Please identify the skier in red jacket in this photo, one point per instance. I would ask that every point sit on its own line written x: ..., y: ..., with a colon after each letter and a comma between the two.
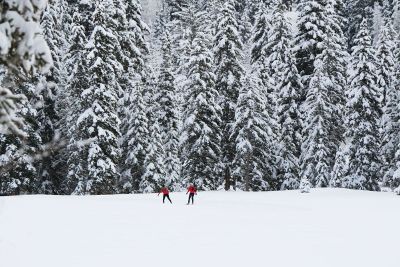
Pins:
x: 165, y: 193
x: 192, y: 191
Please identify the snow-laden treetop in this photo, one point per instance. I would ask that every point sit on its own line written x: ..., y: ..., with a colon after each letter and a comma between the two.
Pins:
x: 21, y: 40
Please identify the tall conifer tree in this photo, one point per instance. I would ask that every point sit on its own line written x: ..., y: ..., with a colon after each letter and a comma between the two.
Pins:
x: 391, y: 123
x: 229, y: 72
x: 288, y: 89
x: 201, y: 137
x: 362, y: 116
x: 98, y: 120
x: 254, y: 164
x: 166, y: 101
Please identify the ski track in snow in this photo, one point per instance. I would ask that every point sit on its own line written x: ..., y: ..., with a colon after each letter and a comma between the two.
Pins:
x: 328, y: 227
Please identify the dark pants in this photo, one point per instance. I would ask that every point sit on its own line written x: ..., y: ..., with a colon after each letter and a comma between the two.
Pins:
x: 164, y: 197
x: 191, y: 197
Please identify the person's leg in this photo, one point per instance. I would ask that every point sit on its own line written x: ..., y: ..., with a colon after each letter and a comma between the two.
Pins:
x: 192, y: 199
x: 189, y: 199
x: 191, y: 195
x: 163, y: 198
x: 169, y: 199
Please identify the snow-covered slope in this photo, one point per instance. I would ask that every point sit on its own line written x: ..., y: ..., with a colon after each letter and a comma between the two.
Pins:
x: 325, y: 228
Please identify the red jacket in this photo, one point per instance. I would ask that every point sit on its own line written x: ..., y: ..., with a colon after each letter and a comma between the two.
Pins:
x: 192, y: 189
x: 164, y: 191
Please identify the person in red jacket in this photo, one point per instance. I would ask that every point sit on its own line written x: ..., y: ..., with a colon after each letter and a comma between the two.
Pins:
x: 192, y: 191
x: 165, y: 193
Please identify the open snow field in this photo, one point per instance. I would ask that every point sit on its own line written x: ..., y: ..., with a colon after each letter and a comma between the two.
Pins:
x: 327, y: 227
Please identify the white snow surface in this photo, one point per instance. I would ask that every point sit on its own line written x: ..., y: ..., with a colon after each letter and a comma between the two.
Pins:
x: 328, y: 227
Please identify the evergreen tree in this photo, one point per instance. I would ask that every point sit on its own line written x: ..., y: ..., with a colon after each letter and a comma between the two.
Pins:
x: 288, y: 87
x: 362, y: 117
x: 19, y: 139
x: 201, y: 136
x: 135, y: 140
x: 323, y: 127
x: 254, y: 166
x: 132, y: 108
x: 385, y: 59
x: 59, y: 91
x: 318, y: 150
x: 324, y: 41
x: 305, y: 185
x: 341, y: 167
x: 385, y: 74
x: 153, y: 178
x: 98, y: 120
x: 166, y: 111
x: 229, y: 73
x: 335, y: 58
x: 48, y: 89
x: 264, y: 60
x: 390, y: 123
x: 77, y: 82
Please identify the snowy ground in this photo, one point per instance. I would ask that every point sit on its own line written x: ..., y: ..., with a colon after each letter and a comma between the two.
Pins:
x: 325, y: 228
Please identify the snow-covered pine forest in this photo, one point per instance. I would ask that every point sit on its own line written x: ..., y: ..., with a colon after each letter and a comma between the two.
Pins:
x: 126, y: 96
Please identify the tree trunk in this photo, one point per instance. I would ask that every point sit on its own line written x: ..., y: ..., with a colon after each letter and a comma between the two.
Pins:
x: 227, y: 178
x: 247, y: 172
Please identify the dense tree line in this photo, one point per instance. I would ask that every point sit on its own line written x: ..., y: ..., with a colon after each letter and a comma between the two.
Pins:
x: 260, y: 95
